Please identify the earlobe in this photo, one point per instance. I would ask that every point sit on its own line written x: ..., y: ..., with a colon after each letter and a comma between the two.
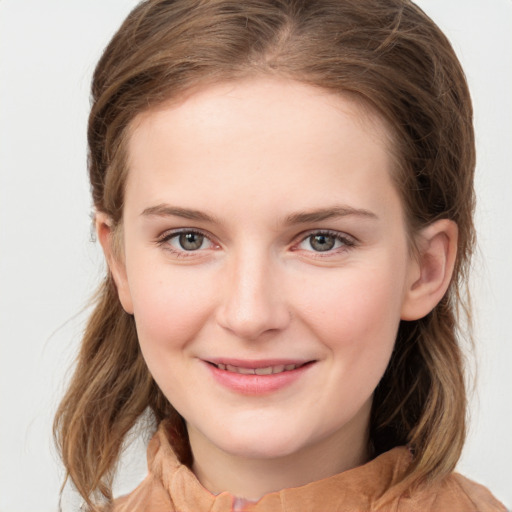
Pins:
x: 113, y: 255
x: 431, y: 272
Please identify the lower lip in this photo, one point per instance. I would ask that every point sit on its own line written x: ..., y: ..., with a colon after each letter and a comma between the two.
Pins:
x: 257, y: 384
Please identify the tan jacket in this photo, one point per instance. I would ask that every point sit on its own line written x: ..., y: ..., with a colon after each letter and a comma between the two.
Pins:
x: 172, y: 487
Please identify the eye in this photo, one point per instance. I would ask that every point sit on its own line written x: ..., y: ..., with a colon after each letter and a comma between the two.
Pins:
x: 186, y: 241
x: 322, y: 242
x: 325, y: 241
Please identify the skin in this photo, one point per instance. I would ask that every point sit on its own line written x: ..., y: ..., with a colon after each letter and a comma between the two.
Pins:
x: 253, y: 157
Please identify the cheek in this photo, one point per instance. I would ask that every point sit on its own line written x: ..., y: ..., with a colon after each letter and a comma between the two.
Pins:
x: 356, y: 316
x: 170, y: 306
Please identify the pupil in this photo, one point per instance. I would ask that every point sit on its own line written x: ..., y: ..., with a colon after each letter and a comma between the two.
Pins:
x: 191, y: 241
x: 322, y: 242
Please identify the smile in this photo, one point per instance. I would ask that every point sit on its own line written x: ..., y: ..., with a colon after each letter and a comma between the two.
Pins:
x: 267, y: 370
x: 257, y: 377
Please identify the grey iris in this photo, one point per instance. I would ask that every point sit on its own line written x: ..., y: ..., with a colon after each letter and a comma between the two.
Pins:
x: 191, y: 241
x: 322, y: 242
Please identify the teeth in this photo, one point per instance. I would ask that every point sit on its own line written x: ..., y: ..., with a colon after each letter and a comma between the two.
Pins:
x: 263, y: 371
x: 247, y: 371
x: 268, y: 370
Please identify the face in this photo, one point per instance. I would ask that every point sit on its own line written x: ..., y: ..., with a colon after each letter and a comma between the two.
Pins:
x: 265, y: 262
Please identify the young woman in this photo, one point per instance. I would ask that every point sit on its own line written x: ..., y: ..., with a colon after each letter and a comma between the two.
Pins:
x: 284, y: 195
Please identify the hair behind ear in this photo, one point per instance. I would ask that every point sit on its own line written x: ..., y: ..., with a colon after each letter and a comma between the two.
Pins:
x: 421, y: 400
x: 101, y: 404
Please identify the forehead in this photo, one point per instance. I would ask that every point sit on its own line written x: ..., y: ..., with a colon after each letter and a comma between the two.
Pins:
x: 264, y: 101
x: 241, y: 138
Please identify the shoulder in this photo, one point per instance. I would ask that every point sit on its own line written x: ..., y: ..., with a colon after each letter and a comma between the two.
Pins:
x: 454, y: 493
x: 473, y: 495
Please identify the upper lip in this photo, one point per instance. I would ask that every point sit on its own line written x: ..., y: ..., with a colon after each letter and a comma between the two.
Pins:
x: 256, y: 363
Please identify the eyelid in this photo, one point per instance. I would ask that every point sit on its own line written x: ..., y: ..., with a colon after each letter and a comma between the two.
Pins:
x: 172, y: 233
x: 347, y: 240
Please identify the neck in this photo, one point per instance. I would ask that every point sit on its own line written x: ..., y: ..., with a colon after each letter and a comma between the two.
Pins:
x: 251, y: 478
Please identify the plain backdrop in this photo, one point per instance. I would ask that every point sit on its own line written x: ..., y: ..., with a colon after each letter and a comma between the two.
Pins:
x: 49, y: 265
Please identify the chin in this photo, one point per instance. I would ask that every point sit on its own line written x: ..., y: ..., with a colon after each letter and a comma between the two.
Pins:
x: 262, y: 443
x: 260, y: 450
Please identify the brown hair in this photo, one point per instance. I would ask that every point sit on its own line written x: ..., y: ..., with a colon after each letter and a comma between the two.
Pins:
x: 390, y: 54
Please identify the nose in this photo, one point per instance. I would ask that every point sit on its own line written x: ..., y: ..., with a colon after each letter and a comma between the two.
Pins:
x: 253, y: 300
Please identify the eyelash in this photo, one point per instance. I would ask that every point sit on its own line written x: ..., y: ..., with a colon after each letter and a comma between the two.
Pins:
x: 163, y: 241
x: 347, y: 241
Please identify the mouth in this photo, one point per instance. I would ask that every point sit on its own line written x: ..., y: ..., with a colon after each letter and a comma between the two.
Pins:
x: 258, y: 377
x: 259, y: 370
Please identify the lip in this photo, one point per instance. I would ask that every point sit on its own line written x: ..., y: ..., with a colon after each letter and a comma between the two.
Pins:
x: 257, y: 384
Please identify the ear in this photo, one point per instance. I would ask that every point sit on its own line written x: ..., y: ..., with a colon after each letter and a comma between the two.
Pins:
x: 113, y: 255
x: 431, y: 271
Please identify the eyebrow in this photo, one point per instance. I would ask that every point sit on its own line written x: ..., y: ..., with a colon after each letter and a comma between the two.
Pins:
x: 328, y: 213
x: 165, y: 210
x: 317, y: 215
